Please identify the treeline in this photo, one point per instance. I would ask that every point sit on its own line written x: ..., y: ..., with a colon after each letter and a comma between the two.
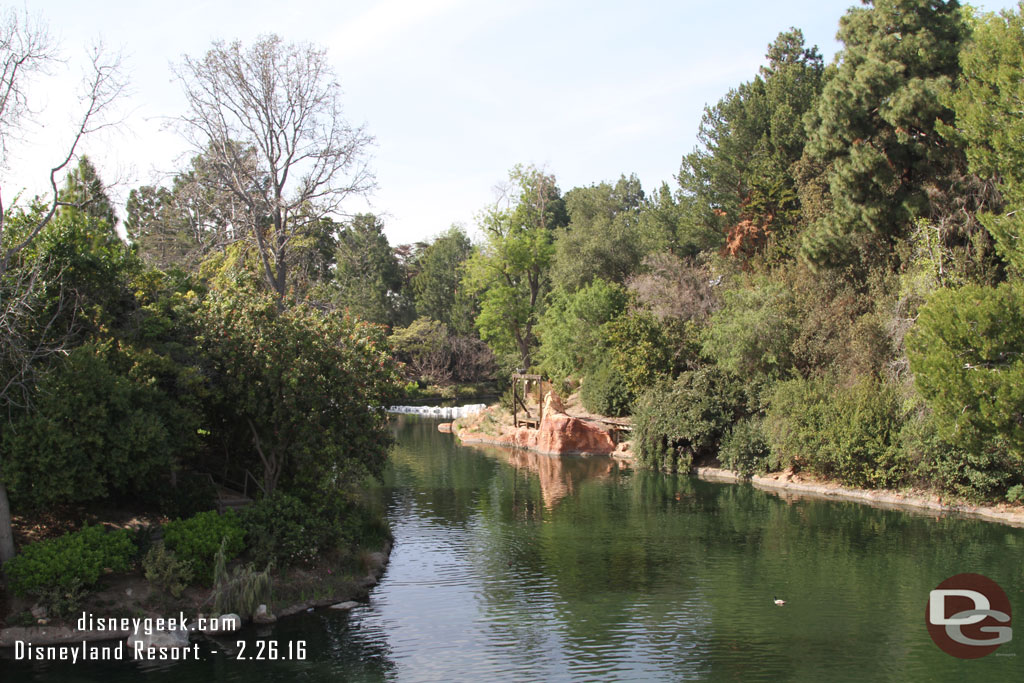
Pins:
x: 833, y: 284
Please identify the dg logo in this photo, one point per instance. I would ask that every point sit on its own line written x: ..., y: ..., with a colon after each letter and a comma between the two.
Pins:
x: 968, y: 616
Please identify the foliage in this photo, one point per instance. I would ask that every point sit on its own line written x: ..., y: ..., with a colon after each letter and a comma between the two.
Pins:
x: 988, y: 122
x: 242, y: 591
x: 875, y: 122
x: 604, y: 392
x: 604, y: 237
x: 161, y: 567
x: 196, y: 540
x: 509, y: 272
x: 745, y: 448
x: 967, y: 355
x: 677, y: 422
x: 437, y: 286
x: 283, y: 530
x: 69, y: 563
x: 303, y: 388
x: 740, y: 174
x: 367, y: 277
x: 943, y: 466
x: 570, y: 329
x: 643, y: 349
x: 102, y: 427
x: 851, y: 434
x: 753, y: 333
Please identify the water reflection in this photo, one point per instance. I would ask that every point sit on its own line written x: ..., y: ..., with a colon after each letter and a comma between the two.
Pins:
x: 559, y: 476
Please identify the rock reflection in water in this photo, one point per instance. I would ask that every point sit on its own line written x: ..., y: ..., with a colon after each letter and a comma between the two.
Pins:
x: 559, y: 475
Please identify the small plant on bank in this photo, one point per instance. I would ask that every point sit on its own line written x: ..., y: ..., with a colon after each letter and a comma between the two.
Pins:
x: 163, y: 568
x: 59, y: 571
x: 197, y: 539
x: 241, y: 591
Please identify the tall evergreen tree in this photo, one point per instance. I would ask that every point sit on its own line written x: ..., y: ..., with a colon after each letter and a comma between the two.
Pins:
x: 875, y: 123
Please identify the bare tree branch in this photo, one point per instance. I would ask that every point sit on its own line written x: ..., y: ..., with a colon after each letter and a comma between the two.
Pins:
x: 269, y: 117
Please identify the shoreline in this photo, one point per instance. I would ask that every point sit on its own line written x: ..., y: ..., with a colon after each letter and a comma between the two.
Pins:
x: 59, y: 634
x: 881, y: 498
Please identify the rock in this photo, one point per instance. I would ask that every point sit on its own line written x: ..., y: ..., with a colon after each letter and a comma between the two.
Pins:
x: 445, y: 427
x: 160, y: 640
x: 263, y: 616
x: 38, y: 611
x: 345, y: 605
x: 225, y: 623
x: 128, y: 592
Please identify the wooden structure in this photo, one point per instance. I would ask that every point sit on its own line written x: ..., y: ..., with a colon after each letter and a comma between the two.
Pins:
x: 519, y: 401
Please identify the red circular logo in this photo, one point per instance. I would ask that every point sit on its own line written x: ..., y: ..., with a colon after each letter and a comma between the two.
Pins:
x: 968, y: 616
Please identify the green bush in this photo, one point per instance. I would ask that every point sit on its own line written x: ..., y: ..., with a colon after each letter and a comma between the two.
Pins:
x: 196, y: 540
x: 745, y: 448
x: 164, y: 569
x: 676, y: 422
x: 850, y: 433
x: 284, y: 530
x: 948, y: 468
x: 605, y: 392
x: 65, y: 565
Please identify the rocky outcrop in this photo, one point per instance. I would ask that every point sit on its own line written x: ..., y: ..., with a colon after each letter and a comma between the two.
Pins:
x: 558, y: 434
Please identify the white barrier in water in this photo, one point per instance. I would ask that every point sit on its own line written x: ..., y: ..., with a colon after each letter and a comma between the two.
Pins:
x: 443, y: 412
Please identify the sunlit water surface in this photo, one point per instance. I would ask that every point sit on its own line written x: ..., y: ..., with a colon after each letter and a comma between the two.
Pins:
x: 521, y: 567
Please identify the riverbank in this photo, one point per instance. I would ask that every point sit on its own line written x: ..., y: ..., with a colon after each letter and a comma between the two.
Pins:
x: 789, y: 483
x: 298, y: 590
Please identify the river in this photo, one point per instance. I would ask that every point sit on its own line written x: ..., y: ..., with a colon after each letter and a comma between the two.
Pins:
x: 511, y: 566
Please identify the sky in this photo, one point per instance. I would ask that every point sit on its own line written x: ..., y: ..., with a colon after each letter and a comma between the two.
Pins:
x: 454, y: 92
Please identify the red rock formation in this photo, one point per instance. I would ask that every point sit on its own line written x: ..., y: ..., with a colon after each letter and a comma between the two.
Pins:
x: 558, y: 434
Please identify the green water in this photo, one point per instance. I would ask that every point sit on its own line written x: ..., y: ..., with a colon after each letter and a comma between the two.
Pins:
x: 520, y: 567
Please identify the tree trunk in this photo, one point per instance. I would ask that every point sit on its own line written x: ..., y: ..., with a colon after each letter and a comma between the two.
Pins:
x: 6, y: 532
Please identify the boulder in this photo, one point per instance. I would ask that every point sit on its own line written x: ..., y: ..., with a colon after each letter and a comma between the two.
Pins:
x: 345, y: 605
x: 445, y: 427
x: 263, y: 616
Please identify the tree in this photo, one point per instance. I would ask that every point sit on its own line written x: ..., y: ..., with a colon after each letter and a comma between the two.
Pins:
x: 510, y: 270
x: 179, y: 226
x: 570, y: 328
x: 269, y: 119
x: 740, y: 175
x: 305, y: 389
x: 603, y: 237
x: 875, y: 123
x: 988, y: 122
x: 26, y: 48
x: 367, y: 279
x: 437, y: 287
x: 967, y: 355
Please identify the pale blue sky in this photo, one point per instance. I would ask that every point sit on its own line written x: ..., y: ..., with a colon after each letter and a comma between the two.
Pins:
x: 455, y: 92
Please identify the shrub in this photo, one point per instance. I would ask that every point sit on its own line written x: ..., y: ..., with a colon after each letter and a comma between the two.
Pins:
x: 164, y: 569
x: 60, y: 567
x: 850, y: 434
x: 196, y: 540
x: 745, y: 448
x: 605, y: 392
x: 283, y: 530
x: 678, y: 421
x: 949, y: 468
x: 242, y: 591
